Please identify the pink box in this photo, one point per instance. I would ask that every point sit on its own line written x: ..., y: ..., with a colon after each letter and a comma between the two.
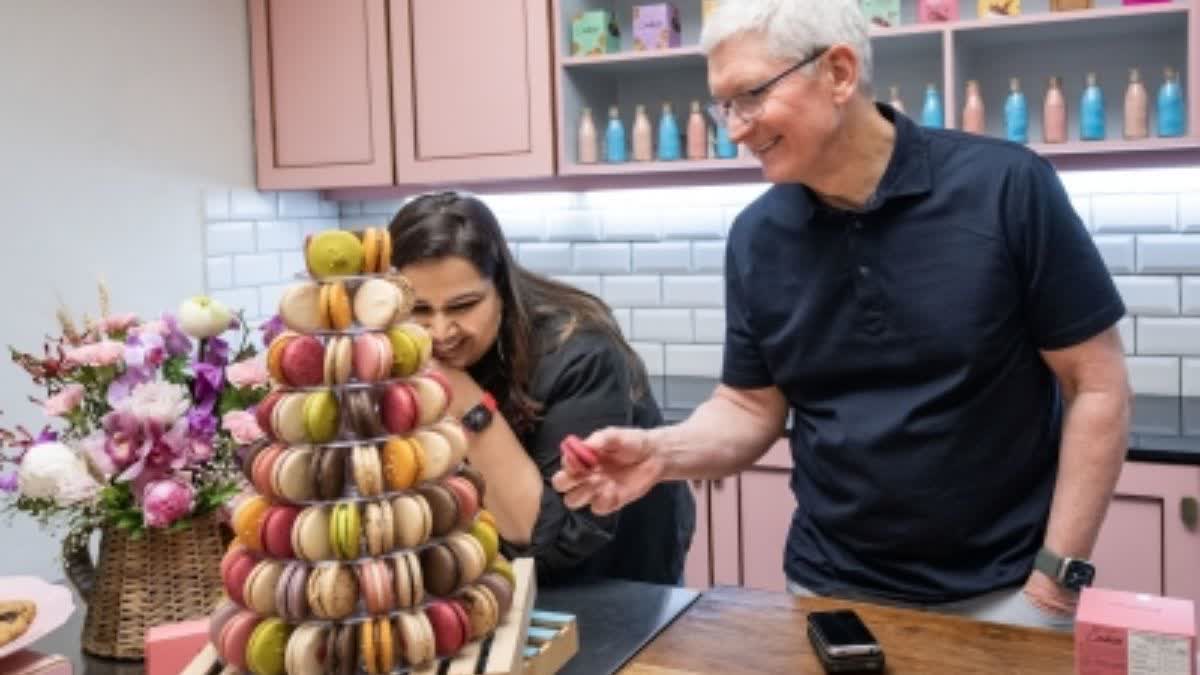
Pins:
x: 1118, y: 633
x: 172, y: 646
x: 656, y: 26
x: 933, y: 11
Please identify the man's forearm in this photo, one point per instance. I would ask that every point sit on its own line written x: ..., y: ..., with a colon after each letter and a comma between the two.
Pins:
x: 724, y: 435
x: 1095, y: 438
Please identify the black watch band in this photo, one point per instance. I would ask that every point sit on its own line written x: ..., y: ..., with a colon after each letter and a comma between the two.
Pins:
x: 480, y: 415
x: 1070, y: 573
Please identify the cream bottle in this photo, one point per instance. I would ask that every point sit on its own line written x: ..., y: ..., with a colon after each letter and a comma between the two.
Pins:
x: 1137, y: 107
x: 1054, y: 113
x: 588, y: 147
x: 643, y: 136
x: 974, y: 120
x: 697, y: 134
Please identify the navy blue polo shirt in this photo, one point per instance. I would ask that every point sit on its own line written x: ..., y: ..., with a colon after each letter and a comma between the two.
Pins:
x: 906, y: 339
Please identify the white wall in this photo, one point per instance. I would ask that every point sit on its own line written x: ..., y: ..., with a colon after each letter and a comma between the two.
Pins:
x: 115, y: 117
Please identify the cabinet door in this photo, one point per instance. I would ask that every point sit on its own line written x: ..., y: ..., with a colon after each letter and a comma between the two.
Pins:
x: 697, y: 570
x: 767, y: 506
x: 1147, y: 542
x: 322, y: 114
x: 471, y: 90
x: 724, y: 524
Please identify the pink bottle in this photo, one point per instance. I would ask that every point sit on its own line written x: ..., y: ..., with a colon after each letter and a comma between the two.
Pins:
x: 643, y: 139
x: 697, y: 134
x: 1137, y: 104
x: 1054, y: 114
x: 973, y: 114
x: 895, y: 101
x: 588, y: 148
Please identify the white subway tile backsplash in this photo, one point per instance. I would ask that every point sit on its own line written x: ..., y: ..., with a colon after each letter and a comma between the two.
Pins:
x: 382, y: 209
x: 313, y: 225
x: 350, y: 208
x: 522, y: 225
x: 216, y: 205
x: 601, y: 259
x: 694, y: 360
x: 1191, y: 377
x: 590, y: 284
x: 632, y: 291
x: 1083, y: 206
x: 694, y: 291
x: 651, y: 354
x: 574, y: 225
x: 245, y: 299
x: 545, y: 258
x: 252, y: 205
x: 260, y: 268
x: 304, y: 204
x: 693, y: 223
x: 665, y: 256
x: 1135, y: 212
x: 227, y: 238
x: 278, y: 235
x: 709, y: 325
x: 1189, y: 211
x: 1169, y: 253
x: 1191, y: 295
x: 663, y: 325
x: 631, y: 224
x: 624, y: 319
x: 1149, y: 296
x: 1126, y: 328
x: 1117, y: 251
x: 328, y: 209
x: 292, y: 265
x: 1163, y: 337
x: 268, y: 297
x: 708, y: 256
x: 219, y: 272
x: 1154, y: 376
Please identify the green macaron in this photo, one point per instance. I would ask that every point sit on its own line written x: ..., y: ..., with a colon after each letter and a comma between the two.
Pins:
x: 268, y: 643
x: 345, y: 530
x: 321, y: 416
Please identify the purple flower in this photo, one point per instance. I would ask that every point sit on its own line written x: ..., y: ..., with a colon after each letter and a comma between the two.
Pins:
x: 47, y: 435
x: 216, y: 352
x: 201, y: 423
x: 9, y: 482
x: 144, y: 350
x: 210, y: 379
x: 271, y: 329
x: 123, y: 386
x: 176, y: 341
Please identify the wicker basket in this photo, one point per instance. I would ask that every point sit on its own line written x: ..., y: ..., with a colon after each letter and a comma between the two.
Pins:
x: 160, y: 578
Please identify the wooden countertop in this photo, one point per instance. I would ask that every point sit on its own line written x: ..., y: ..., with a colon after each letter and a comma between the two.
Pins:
x: 735, y: 630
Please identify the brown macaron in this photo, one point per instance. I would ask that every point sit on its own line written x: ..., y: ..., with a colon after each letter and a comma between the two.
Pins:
x: 500, y: 588
x: 442, y: 505
x: 341, y: 649
x: 364, y: 414
x: 328, y: 472
x: 482, y: 609
x: 441, y: 569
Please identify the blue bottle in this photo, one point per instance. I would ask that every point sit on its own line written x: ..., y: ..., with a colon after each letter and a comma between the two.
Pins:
x: 726, y: 149
x: 614, y: 137
x: 1091, y: 111
x: 1016, y: 114
x: 932, y: 114
x: 669, y: 145
x: 1170, y: 105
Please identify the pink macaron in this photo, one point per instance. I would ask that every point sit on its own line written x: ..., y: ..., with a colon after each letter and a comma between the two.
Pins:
x: 451, y: 626
x: 236, y: 566
x: 467, y: 497
x: 398, y: 407
x: 235, y: 636
x: 303, y: 362
x: 372, y: 357
x: 577, y: 457
x: 376, y: 586
x: 262, y: 411
x: 277, y: 531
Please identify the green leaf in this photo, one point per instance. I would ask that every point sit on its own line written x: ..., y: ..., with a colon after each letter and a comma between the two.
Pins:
x: 175, y: 370
x: 180, y: 525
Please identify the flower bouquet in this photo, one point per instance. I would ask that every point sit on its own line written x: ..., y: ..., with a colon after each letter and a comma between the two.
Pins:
x: 149, y: 417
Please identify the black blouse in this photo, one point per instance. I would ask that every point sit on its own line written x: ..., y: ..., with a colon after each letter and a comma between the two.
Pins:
x: 585, y: 385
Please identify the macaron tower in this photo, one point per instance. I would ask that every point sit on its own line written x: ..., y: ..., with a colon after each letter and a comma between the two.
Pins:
x: 362, y: 546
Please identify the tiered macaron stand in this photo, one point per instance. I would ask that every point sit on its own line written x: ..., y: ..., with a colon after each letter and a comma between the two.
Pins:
x: 361, y: 544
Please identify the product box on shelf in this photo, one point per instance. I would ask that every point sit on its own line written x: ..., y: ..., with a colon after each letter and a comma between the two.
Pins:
x: 884, y: 13
x: 656, y: 26
x: 1069, y: 5
x: 595, y: 32
x: 999, y: 8
x: 932, y: 11
x: 1117, y: 632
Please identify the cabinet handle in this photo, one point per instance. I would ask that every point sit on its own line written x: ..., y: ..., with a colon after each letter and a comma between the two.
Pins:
x: 1188, y: 512
x: 698, y: 484
x: 718, y: 483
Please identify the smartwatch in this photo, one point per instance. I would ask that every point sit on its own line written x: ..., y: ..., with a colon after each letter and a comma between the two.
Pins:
x: 1070, y: 573
x: 480, y: 416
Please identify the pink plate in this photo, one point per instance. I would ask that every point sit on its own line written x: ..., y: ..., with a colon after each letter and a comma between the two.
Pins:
x: 54, y: 606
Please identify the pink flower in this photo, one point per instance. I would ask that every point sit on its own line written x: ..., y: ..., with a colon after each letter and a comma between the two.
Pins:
x: 116, y: 323
x: 166, y: 501
x: 62, y: 403
x: 251, y: 372
x: 103, y: 353
x: 242, y: 426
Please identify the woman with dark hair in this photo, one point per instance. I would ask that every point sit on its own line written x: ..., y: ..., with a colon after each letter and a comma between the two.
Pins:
x: 552, y: 359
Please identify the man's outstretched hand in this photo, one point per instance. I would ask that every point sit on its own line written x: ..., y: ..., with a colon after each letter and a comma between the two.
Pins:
x: 626, y: 467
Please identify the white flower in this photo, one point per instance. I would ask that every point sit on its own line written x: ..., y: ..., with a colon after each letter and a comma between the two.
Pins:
x: 160, y: 402
x: 203, y: 317
x: 54, y: 471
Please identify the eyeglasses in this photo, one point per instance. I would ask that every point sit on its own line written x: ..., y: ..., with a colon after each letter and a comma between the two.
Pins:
x: 748, y: 105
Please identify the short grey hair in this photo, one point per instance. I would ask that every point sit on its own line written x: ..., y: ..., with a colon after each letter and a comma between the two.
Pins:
x: 793, y: 28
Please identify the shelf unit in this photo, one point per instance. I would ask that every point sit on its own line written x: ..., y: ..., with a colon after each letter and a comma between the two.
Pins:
x: 1108, y: 39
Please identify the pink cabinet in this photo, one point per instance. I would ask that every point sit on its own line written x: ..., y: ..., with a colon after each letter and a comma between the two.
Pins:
x: 369, y: 93
x: 471, y: 90
x: 1150, y: 541
x: 697, y: 569
x: 322, y: 117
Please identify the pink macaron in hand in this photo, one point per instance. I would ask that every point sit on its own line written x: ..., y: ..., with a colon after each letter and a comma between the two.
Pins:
x: 577, y: 457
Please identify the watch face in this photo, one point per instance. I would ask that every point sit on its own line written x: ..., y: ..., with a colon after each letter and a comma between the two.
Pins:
x: 1078, y: 574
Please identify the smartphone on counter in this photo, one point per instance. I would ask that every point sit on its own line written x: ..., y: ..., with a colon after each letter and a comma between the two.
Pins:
x: 843, y: 642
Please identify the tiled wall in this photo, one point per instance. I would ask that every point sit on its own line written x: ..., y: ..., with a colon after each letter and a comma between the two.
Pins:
x: 656, y: 256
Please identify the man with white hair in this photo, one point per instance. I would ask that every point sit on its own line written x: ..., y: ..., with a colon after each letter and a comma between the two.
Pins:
x: 932, y: 312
